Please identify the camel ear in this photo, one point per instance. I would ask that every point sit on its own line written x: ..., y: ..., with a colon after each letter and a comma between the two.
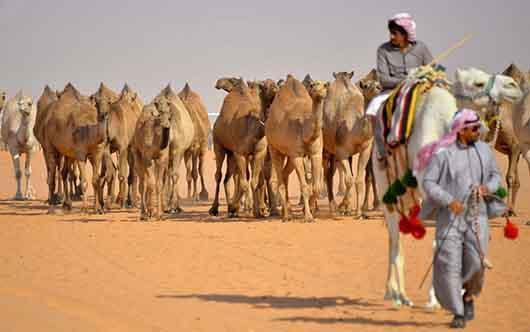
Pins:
x: 334, y: 75
x: 350, y: 75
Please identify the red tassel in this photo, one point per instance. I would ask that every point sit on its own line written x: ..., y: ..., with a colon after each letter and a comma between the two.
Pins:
x: 418, y: 229
x: 510, y: 230
x: 404, y: 225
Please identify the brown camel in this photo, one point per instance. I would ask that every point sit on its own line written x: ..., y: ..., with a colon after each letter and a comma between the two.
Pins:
x: 150, y: 148
x: 75, y: 129
x: 123, y: 111
x: 294, y: 130
x: 181, y: 137
x: 346, y: 132
x: 239, y: 131
x: 199, y: 146
x: 370, y: 88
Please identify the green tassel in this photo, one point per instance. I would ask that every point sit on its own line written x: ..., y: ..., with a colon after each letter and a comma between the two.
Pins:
x: 501, y: 192
x: 409, y: 179
x: 398, y: 188
x: 389, y: 197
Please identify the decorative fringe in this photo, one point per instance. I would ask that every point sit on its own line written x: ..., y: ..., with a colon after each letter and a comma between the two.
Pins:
x: 511, y: 231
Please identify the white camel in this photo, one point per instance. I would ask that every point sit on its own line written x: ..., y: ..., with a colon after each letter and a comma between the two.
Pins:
x: 18, y: 119
x: 433, y: 117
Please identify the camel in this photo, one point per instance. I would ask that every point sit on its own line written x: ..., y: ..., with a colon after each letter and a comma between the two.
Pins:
x: 346, y: 132
x: 150, y: 148
x: 370, y: 88
x: 77, y: 130
x: 239, y: 131
x: 433, y: 116
x: 47, y: 98
x: 181, y: 138
x: 506, y: 140
x: 18, y: 120
x: 123, y: 110
x: 294, y: 130
x: 521, y: 121
x: 199, y: 146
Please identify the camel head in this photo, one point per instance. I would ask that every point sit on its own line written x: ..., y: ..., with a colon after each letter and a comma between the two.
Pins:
x: 343, y: 76
x: 162, y: 119
x: 24, y: 105
x: 482, y: 88
x: 269, y: 89
x: 307, y: 81
x: 102, y: 104
x: 369, y: 86
x: 226, y: 83
x: 163, y: 112
x: 318, y: 90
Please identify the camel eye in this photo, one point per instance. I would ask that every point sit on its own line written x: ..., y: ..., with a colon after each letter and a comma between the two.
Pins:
x: 479, y: 84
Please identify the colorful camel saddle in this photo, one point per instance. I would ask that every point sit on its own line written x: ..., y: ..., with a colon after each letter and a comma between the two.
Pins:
x: 396, y: 115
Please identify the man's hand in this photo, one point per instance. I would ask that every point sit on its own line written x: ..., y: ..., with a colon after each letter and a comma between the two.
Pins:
x: 483, y: 191
x: 456, y: 207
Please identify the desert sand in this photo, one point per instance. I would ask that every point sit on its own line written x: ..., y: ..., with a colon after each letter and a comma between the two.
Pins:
x: 194, y: 272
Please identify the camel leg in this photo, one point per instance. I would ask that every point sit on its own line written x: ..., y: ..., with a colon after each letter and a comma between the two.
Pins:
x: 279, y: 183
x: 195, y: 175
x: 345, y: 207
x: 95, y: 161
x: 256, y: 189
x: 511, y: 179
x: 243, y: 188
x: 159, y: 170
x: 271, y: 192
x: 188, y: 163
x: 149, y: 183
x: 342, y: 187
x: 59, y: 196
x: 316, y: 168
x: 65, y: 171
x: 132, y: 193
x: 308, y: 176
x: 174, y: 204
x: 203, y: 196
x: 329, y: 172
x: 30, y: 192
x: 360, y: 197
x: 304, y: 187
x: 220, y: 154
x: 395, y: 284
x: 15, y: 157
x: 123, y: 176
x: 516, y: 183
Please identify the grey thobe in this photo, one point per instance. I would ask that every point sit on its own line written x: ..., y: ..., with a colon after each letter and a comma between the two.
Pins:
x: 451, y: 175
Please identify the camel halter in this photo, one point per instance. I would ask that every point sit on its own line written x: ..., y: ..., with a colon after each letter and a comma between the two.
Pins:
x: 486, y: 92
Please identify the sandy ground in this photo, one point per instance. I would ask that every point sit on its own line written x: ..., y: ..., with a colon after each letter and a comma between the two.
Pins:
x: 79, y: 272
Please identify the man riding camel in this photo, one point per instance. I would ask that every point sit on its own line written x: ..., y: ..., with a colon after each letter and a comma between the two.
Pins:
x: 397, y: 57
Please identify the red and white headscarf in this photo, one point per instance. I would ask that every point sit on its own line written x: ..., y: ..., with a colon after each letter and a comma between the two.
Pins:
x: 405, y: 21
x: 463, y: 119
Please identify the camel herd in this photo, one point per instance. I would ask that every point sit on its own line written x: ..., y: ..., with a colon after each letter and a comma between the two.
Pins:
x: 265, y: 130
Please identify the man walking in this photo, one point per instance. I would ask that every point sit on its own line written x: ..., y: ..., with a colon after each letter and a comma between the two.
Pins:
x: 460, y: 177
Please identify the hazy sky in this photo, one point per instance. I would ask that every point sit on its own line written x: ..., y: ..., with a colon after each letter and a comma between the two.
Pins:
x: 151, y: 43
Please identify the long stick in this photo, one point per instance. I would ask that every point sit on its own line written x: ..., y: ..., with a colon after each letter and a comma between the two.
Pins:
x: 448, y: 52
